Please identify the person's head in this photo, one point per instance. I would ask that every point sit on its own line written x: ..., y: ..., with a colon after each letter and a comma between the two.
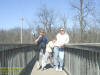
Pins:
x: 62, y: 31
x: 54, y: 41
x: 42, y: 32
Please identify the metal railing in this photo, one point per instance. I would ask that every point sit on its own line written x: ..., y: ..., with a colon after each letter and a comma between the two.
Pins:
x: 20, y: 59
x: 82, y: 60
x: 15, y: 59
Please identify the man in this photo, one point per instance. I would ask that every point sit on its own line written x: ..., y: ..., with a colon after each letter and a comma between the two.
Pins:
x: 41, y: 42
x: 62, y: 39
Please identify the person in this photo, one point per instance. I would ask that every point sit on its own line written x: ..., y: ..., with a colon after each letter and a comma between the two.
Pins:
x: 41, y: 42
x: 48, y: 54
x: 62, y: 39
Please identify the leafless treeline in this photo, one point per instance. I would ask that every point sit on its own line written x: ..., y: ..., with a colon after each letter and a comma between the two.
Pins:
x: 85, y: 28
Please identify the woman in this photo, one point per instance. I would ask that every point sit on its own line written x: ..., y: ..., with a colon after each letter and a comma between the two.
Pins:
x: 41, y: 42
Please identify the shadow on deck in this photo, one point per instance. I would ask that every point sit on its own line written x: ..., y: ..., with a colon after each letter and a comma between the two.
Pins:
x: 28, y: 69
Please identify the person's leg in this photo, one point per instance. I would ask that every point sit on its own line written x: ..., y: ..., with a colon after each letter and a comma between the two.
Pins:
x: 61, y: 58
x: 44, y: 50
x: 41, y: 52
x: 56, y: 53
x: 44, y: 60
x: 40, y: 58
x: 51, y: 59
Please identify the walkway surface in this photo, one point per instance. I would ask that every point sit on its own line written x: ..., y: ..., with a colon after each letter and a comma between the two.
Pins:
x: 47, y: 71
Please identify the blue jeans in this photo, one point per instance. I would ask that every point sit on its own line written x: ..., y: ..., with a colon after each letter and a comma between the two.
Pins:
x: 58, y: 56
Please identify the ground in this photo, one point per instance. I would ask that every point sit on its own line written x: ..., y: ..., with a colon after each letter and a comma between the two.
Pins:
x: 46, y: 71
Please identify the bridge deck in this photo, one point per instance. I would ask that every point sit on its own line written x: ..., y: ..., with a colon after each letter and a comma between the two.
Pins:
x: 49, y: 71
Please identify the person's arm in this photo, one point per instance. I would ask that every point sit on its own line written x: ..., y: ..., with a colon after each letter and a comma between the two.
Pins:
x: 38, y: 40
x: 67, y: 40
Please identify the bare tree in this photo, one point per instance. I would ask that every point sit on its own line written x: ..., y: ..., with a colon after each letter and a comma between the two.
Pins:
x: 46, y: 18
x: 64, y: 21
x: 84, y: 9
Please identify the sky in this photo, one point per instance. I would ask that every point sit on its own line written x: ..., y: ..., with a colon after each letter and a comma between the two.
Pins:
x: 11, y: 11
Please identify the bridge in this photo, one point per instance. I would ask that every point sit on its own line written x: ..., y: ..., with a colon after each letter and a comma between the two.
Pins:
x: 20, y: 59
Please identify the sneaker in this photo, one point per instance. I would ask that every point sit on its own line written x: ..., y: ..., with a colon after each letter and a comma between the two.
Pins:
x: 38, y: 68
x: 38, y: 65
x: 60, y: 69
x: 56, y: 68
x: 42, y: 69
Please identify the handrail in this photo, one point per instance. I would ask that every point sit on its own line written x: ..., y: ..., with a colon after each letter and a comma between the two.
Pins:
x: 13, y: 46
x: 82, y: 59
x: 84, y: 44
x: 85, y: 47
x: 15, y: 59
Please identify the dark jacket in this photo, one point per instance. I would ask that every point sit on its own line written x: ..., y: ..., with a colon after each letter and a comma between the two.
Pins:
x: 42, y: 42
